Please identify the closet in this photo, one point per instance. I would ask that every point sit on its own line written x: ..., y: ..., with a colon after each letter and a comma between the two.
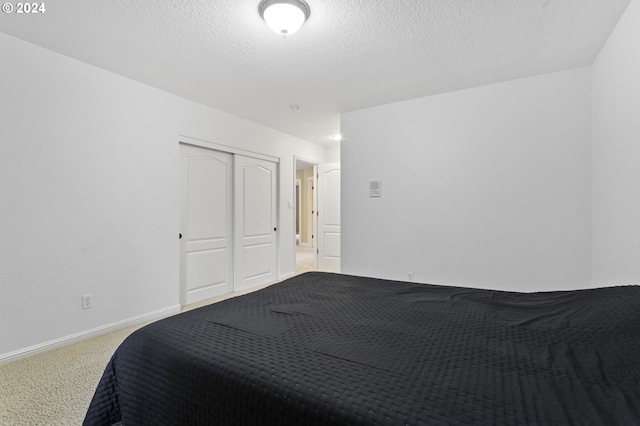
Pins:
x: 228, y: 222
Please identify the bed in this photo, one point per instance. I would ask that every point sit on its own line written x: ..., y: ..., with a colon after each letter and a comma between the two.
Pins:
x: 331, y: 349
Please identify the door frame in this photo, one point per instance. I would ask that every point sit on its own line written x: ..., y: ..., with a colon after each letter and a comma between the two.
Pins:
x: 297, y: 195
x: 226, y: 148
x: 312, y: 207
x: 314, y: 202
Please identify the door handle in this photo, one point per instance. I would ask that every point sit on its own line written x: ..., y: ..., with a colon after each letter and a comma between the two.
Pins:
x: 179, y: 236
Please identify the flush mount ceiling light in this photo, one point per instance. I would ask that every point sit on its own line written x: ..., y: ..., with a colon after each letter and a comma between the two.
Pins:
x: 285, y: 17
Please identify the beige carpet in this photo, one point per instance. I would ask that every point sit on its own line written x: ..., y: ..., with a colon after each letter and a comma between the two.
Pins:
x: 305, y: 259
x: 56, y: 387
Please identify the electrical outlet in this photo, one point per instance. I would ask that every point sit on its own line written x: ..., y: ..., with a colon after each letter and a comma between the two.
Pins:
x: 87, y: 301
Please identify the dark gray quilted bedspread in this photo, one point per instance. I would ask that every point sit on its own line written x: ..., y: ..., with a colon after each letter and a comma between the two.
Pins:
x: 328, y: 349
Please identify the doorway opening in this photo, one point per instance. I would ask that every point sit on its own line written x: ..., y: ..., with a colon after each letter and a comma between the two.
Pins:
x: 305, y: 216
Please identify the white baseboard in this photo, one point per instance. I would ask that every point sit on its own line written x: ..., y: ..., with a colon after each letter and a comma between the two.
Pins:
x: 52, y: 344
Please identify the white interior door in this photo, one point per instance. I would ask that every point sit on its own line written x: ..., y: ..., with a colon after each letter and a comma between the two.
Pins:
x: 329, y: 217
x: 206, y: 246
x: 256, y: 222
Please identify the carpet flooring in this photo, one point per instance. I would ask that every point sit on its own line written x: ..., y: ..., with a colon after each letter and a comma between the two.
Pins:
x: 305, y: 259
x: 54, y: 388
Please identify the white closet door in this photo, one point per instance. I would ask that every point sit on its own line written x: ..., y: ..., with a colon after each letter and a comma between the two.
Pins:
x: 206, y: 221
x: 329, y: 217
x: 256, y: 241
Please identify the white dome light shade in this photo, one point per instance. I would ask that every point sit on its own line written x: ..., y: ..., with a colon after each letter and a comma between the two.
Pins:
x: 285, y: 17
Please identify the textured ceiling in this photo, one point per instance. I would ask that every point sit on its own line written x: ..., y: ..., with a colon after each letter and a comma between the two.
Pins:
x: 349, y: 54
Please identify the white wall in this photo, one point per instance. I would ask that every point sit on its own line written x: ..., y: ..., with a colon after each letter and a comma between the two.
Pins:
x: 616, y: 154
x: 89, y: 182
x: 333, y: 154
x: 486, y: 187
